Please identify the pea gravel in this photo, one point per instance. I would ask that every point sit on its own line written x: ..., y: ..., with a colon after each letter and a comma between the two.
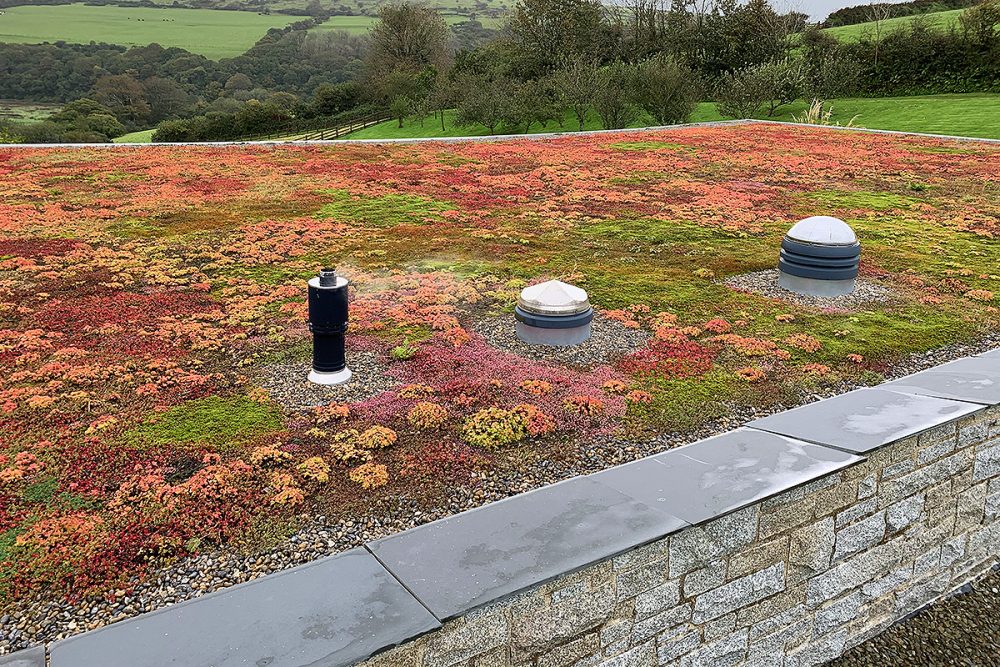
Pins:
x: 766, y: 284
x: 39, y: 620
x: 288, y: 383
x: 609, y: 339
x: 960, y: 630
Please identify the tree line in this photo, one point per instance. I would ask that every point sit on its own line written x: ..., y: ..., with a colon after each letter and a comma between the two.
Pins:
x: 553, y: 62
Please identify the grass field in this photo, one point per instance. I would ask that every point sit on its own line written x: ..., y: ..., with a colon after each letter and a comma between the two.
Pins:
x: 213, y: 33
x: 853, y: 33
x: 361, y: 24
x: 370, y: 7
x: 25, y: 111
x: 139, y: 137
x: 971, y: 115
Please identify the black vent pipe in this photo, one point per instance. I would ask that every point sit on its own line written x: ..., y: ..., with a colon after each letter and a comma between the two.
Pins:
x: 328, y: 324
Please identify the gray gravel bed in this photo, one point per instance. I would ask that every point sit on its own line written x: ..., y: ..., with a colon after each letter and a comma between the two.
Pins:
x: 608, y: 340
x: 766, y: 284
x: 288, y: 385
x: 959, y: 630
x: 40, y: 620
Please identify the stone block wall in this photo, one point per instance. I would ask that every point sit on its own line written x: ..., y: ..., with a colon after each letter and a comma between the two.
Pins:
x: 793, y: 580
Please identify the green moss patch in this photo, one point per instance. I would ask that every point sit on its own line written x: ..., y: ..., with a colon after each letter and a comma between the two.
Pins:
x: 218, y: 422
x: 862, y: 199
x: 383, y: 210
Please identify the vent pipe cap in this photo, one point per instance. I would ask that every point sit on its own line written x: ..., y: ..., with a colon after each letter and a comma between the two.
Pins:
x: 823, y: 230
x: 553, y: 298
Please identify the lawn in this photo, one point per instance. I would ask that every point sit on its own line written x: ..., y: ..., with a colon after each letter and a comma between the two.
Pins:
x: 971, y: 115
x: 853, y: 33
x: 212, y: 33
x: 153, y: 342
x: 137, y: 137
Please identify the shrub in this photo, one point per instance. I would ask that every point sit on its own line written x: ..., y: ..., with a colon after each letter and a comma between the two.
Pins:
x: 493, y: 427
x: 377, y: 437
x: 666, y: 89
x: 427, y: 415
x: 344, y: 448
x: 269, y: 456
x: 369, y: 475
x: 315, y: 468
x: 536, y: 387
x: 585, y: 406
x: 403, y: 352
x: 804, y: 342
x: 741, y: 93
x: 751, y: 374
x: 535, y: 421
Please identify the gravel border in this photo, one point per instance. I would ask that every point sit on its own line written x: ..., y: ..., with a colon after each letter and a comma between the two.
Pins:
x: 38, y: 620
x: 958, y: 630
x: 287, y: 383
x: 609, y: 339
x: 766, y: 284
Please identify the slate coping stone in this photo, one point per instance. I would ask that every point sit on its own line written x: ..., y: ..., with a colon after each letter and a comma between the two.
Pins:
x: 465, y: 561
x: 992, y: 354
x: 29, y: 657
x: 864, y: 419
x: 332, y: 612
x: 974, y: 379
x: 724, y: 473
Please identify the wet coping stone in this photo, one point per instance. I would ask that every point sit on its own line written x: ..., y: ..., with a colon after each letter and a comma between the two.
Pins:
x: 29, y: 657
x: 724, y: 473
x: 865, y: 419
x: 973, y: 379
x: 468, y: 560
x: 335, y: 611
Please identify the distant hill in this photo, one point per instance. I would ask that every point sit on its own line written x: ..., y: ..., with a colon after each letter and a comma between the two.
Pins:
x: 862, y: 13
x: 854, y: 32
x: 481, y: 9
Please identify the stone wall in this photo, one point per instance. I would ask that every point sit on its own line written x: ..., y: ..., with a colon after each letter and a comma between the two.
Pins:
x: 793, y: 580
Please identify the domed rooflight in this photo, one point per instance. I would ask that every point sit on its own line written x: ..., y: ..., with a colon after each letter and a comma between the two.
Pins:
x: 819, y: 257
x: 553, y: 313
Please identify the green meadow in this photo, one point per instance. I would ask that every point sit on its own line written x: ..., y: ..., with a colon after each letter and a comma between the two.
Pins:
x: 212, y: 33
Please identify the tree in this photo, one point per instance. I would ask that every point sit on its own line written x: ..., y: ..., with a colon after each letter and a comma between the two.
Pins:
x: 331, y: 99
x: 484, y: 100
x: 739, y: 94
x: 576, y: 83
x: 166, y: 98
x: 546, y: 34
x: 981, y: 24
x: 782, y: 83
x: 408, y: 37
x: 124, y: 95
x: 877, y: 15
x: 666, y: 89
x: 614, y: 94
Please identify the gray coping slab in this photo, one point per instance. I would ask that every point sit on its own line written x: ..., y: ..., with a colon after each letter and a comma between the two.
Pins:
x: 29, y: 657
x: 975, y: 379
x: 724, y: 473
x: 462, y: 562
x: 992, y: 354
x: 335, y: 611
x: 864, y: 419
